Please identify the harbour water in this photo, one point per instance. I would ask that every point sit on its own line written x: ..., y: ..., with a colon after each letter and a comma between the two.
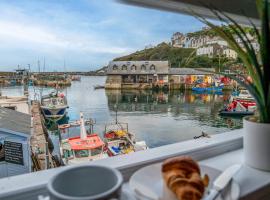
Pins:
x: 159, y: 118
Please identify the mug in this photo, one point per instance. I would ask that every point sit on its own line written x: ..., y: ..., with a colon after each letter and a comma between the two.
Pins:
x: 91, y: 182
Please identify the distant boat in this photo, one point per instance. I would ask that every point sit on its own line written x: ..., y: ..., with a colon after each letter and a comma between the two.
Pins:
x: 99, y: 87
x: 54, y: 106
x: 208, y: 89
x: 239, y: 107
x: 244, y: 95
x: 76, y: 78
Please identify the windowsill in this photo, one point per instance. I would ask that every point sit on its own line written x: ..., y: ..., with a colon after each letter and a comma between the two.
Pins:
x: 28, y: 186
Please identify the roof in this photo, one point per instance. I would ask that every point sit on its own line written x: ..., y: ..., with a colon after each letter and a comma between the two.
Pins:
x: 138, y: 67
x: 15, y: 121
x: 191, y: 71
x: 241, y: 10
x: 93, y: 141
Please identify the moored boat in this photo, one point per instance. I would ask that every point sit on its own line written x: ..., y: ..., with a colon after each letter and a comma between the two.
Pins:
x: 120, y: 141
x: 239, y: 107
x: 244, y: 95
x: 83, y: 148
x: 54, y: 106
x: 208, y: 89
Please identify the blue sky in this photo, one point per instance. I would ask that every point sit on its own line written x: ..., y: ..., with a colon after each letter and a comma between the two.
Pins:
x: 87, y: 34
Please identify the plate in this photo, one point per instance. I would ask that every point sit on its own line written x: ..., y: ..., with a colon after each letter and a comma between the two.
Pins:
x: 147, y: 184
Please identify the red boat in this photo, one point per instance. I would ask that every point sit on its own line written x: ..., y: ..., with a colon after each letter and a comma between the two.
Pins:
x: 239, y: 107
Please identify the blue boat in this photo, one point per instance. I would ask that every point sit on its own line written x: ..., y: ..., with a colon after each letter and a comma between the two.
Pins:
x: 208, y: 89
x: 54, y: 106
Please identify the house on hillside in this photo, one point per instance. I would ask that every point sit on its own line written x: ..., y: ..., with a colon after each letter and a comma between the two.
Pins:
x: 136, y: 74
x: 178, y: 40
x: 15, y: 133
x: 209, y: 50
x: 229, y: 53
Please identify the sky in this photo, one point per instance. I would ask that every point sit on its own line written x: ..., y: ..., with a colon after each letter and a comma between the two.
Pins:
x: 83, y: 34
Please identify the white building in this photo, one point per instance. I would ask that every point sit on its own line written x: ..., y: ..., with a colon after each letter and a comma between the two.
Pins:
x: 196, y: 42
x: 209, y: 50
x: 178, y: 40
x: 217, y: 40
x: 229, y: 53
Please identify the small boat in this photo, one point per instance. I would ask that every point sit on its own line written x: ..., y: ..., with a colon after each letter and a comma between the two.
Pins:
x: 239, y: 108
x: 119, y: 141
x: 83, y: 148
x: 75, y: 78
x: 208, y: 89
x: 244, y: 95
x: 99, y: 87
x: 54, y: 106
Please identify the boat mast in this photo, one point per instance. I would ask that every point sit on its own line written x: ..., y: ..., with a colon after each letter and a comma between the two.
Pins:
x: 83, y: 134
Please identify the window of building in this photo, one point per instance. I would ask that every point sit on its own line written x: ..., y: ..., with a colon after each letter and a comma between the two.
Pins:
x: 115, y: 67
x: 152, y: 67
x: 143, y: 67
x: 133, y: 67
x: 124, y: 67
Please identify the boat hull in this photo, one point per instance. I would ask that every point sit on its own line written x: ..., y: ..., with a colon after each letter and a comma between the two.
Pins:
x: 54, y: 114
x: 235, y: 113
x: 207, y: 89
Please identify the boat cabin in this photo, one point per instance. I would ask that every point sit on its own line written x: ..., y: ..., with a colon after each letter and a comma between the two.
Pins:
x: 77, y: 150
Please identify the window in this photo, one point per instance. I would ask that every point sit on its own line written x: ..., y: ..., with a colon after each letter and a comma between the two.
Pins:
x: 133, y: 68
x: 96, y: 151
x: 115, y: 67
x: 152, y: 67
x: 124, y: 67
x: 81, y: 153
x: 143, y: 67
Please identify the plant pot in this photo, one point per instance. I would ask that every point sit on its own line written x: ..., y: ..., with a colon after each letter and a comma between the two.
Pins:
x: 257, y: 144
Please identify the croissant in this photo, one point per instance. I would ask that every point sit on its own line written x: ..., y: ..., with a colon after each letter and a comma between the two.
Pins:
x: 182, y: 176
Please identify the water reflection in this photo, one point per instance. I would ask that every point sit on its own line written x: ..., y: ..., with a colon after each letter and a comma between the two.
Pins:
x: 176, y: 115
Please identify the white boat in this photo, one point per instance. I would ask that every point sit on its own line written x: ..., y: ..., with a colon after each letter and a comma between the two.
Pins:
x: 83, y: 148
x: 120, y: 141
x: 54, y: 106
x: 244, y: 95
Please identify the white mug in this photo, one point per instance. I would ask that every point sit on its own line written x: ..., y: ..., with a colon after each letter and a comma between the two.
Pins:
x: 87, y: 182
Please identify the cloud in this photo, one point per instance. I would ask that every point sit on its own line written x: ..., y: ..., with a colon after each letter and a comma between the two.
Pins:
x: 85, y: 32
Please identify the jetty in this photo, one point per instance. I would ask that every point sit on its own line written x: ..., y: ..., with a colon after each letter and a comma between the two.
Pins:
x: 40, y: 142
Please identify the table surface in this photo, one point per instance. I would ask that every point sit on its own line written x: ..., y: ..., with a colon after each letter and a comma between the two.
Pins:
x: 254, y: 184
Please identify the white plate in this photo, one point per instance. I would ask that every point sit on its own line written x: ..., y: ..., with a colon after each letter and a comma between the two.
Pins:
x: 147, y: 183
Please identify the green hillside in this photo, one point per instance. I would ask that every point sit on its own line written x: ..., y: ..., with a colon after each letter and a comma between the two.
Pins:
x: 178, y: 57
x: 211, y: 33
x: 162, y: 51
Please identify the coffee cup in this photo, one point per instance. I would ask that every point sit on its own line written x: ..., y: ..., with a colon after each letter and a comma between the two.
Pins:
x: 90, y: 182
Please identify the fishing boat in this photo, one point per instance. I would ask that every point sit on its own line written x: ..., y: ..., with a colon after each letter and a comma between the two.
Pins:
x: 239, y: 107
x: 120, y: 141
x: 54, y: 106
x: 83, y: 148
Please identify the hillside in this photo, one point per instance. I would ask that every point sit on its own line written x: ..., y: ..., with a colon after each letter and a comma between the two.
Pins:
x: 162, y: 51
x: 211, y: 33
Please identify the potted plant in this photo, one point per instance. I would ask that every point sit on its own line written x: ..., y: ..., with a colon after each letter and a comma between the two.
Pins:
x: 257, y: 64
